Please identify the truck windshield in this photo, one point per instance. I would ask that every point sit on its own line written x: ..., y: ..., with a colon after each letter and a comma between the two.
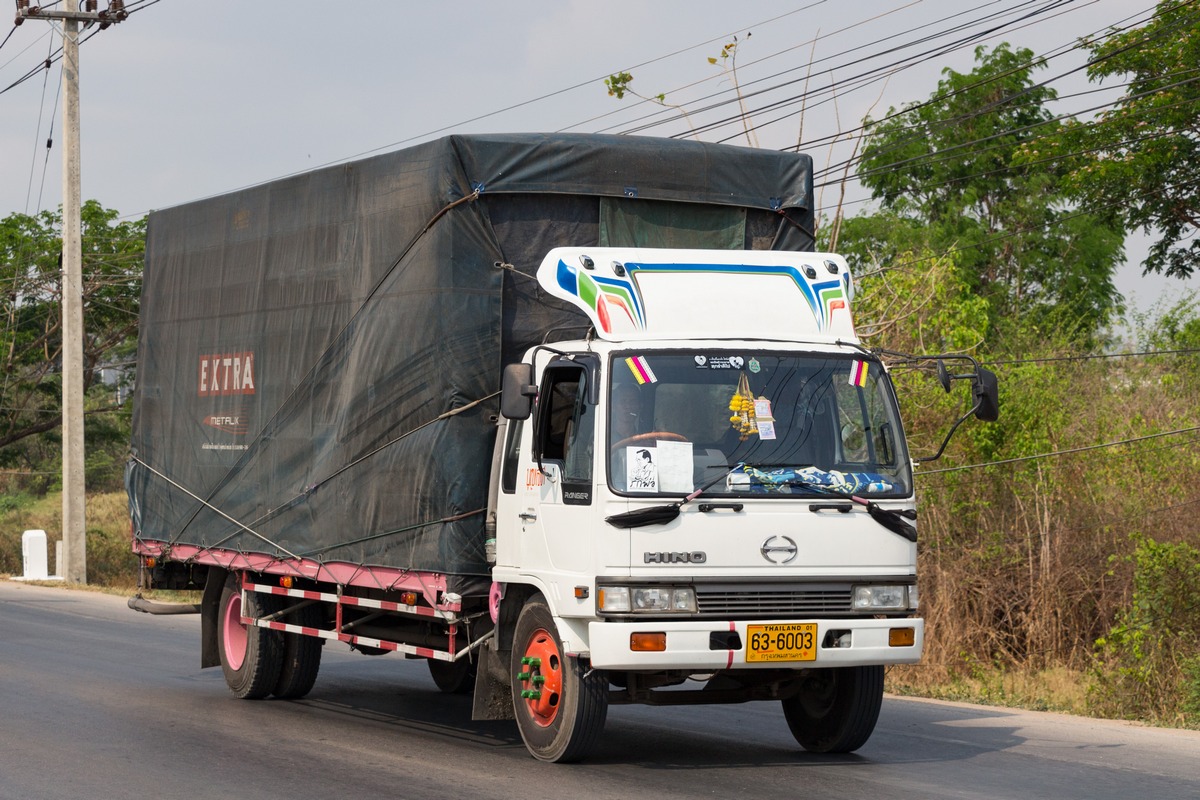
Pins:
x: 799, y: 423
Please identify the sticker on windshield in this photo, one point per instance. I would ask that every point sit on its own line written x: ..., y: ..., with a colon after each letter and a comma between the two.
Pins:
x: 720, y: 362
x: 858, y: 374
x: 754, y: 366
x: 764, y: 419
x: 641, y: 370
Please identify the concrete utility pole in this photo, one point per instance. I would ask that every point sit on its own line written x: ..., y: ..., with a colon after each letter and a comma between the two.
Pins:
x: 73, y: 532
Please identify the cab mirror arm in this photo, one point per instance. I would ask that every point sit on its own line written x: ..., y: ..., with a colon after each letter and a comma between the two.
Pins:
x: 984, y: 392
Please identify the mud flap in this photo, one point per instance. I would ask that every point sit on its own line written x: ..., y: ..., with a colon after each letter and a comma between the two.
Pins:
x: 209, y: 603
x: 493, y: 688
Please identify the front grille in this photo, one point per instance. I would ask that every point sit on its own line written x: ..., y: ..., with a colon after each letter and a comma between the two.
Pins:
x: 775, y: 602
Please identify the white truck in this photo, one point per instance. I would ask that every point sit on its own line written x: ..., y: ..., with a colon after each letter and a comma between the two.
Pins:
x: 702, y: 494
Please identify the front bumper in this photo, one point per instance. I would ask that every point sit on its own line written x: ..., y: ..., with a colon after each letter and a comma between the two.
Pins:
x: 690, y: 644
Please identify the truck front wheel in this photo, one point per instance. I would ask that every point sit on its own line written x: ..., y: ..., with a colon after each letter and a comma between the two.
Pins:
x: 251, y: 657
x: 560, y: 707
x: 836, y: 709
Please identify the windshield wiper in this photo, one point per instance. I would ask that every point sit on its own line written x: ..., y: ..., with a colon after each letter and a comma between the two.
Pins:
x: 661, y: 515
x: 893, y: 520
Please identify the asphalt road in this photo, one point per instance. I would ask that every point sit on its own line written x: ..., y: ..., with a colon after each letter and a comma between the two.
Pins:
x: 97, y: 701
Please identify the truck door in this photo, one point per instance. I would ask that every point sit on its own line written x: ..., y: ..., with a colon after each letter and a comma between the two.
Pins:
x: 559, y: 487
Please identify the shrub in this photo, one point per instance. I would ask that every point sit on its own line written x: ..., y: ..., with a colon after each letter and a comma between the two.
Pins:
x: 1147, y: 667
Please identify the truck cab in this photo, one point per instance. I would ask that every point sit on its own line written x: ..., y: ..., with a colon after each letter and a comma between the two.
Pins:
x: 692, y: 496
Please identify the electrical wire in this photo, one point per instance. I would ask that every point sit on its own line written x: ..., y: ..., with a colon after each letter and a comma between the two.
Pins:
x: 1056, y: 453
x: 920, y: 58
x: 9, y: 36
x: 867, y: 79
x: 49, y: 142
x: 920, y: 130
x: 522, y: 104
x: 806, y: 43
x: 1094, y: 357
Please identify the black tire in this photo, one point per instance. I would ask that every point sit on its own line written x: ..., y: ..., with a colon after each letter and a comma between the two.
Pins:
x: 301, y: 657
x: 561, y: 713
x: 452, y: 677
x: 836, y: 709
x: 251, y: 657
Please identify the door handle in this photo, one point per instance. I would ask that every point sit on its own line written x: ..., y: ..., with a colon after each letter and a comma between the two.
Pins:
x: 527, y: 516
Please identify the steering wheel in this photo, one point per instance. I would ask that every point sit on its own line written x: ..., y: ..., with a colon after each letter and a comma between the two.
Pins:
x: 652, y: 436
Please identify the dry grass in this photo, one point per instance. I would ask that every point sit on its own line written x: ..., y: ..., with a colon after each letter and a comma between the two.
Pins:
x: 1052, y: 689
x: 111, y: 562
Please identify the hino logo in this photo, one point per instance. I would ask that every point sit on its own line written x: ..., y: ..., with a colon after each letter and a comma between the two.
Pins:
x: 695, y: 557
x: 779, y: 549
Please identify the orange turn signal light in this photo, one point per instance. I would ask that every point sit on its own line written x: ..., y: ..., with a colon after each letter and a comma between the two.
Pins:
x: 408, y: 598
x: 286, y: 581
x: 902, y: 637
x: 648, y: 642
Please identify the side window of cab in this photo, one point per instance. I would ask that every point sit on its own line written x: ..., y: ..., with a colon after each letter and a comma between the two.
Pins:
x: 566, y: 427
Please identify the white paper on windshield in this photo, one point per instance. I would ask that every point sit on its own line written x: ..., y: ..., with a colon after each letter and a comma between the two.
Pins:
x: 675, y: 466
x: 766, y: 422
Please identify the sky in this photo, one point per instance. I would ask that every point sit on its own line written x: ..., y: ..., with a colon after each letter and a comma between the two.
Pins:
x: 190, y: 99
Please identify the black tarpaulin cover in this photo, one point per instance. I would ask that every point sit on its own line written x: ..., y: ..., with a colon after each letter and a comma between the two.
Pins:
x: 305, y: 344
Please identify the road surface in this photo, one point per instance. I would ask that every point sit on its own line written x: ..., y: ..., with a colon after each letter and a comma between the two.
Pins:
x: 97, y: 701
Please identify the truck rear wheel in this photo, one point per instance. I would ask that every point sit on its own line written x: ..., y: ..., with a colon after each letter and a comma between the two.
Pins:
x: 301, y: 660
x: 251, y: 657
x: 560, y: 710
x: 836, y: 709
x: 452, y: 677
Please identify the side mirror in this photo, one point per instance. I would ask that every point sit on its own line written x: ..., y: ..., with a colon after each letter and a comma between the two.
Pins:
x: 517, y: 391
x: 943, y: 375
x: 986, y: 390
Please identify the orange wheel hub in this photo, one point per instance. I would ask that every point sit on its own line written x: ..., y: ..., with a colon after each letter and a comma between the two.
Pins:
x: 541, y: 677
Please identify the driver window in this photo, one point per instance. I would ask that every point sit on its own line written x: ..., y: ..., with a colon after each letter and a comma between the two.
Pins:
x: 567, y: 424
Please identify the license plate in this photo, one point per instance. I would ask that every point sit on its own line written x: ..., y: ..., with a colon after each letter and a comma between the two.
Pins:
x: 792, y: 641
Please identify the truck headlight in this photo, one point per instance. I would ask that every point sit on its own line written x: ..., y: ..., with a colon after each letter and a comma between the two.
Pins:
x: 646, y: 599
x: 882, y: 598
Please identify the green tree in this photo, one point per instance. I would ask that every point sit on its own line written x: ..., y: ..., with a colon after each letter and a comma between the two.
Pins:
x: 31, y: 333
x: 946, y: 176
x: 1138, y: 163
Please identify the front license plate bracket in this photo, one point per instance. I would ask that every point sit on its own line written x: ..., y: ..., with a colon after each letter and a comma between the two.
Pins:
x: 787, y: 641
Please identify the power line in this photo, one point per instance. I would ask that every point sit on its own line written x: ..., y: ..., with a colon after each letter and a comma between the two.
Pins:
x: 809, y: 42
x: 920, y: 131
x: 1055, y: 453
x: 1095, y: 356
x: 9, y: 36
x: 880, y: 73
x: 908, y: 61
x: 512, y: 107
x: 950, y: 153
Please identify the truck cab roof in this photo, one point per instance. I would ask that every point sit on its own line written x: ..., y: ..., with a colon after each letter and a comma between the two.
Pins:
x: 652, y: 294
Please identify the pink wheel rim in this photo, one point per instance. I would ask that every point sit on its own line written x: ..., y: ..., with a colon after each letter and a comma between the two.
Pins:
x: 233, y: 632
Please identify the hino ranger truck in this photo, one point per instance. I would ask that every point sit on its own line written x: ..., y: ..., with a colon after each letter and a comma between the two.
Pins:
x: 579, y: 420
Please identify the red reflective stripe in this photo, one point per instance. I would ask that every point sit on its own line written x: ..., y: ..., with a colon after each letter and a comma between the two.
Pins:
x: 729, y: 663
